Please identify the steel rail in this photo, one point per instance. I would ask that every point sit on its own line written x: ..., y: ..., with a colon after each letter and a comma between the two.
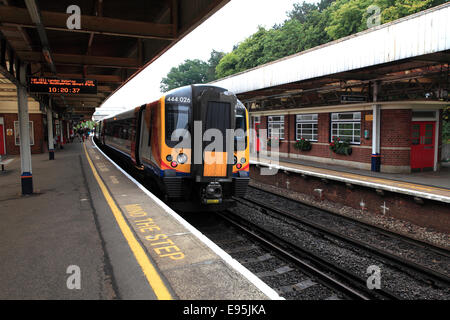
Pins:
x: 398, y: 261
x: 318, y: 269
x: 391, y: 234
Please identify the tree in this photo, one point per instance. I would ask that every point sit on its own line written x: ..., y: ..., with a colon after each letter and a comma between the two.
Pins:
x: 189, y: 72
x: 351, y: 16
x: 213, y: 61
x: 310, y: 25
x: 346, y: 17
x: 227, y: 65
x: 302, y: 11
x: 400, y: 8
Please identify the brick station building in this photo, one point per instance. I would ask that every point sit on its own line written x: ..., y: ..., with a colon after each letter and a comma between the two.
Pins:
x: 383, y: 89
x: 9, y: 128
x: 400, y: 121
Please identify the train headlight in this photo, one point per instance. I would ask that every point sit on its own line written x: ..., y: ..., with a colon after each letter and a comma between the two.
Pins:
x: 239, y: 166
x: 243, y: 160
x: 169, y: 158
x: 173, y: 164
x: 235, y: 160
x: 182, y: 158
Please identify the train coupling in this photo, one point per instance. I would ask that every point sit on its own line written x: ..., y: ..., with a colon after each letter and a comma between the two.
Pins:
x: 212, y: 193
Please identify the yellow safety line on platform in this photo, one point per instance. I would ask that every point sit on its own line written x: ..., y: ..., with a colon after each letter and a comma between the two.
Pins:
x: 152, y: 275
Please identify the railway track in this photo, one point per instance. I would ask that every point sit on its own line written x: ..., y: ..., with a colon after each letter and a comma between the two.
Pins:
x: 293, y: 277
x: 326, y: 273
x: 366, y: 227
x: 426, y: 272
x: 437, y: 280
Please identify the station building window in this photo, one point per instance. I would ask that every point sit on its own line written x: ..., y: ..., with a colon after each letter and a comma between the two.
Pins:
x: 306, y: 127
x: 275, y: 126
x: 17, y: 133
x: 346, y: 126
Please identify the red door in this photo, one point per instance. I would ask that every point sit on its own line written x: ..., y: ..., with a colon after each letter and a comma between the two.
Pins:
x: 422, y: 145
x: 2, y: 140
x: 257, y: 136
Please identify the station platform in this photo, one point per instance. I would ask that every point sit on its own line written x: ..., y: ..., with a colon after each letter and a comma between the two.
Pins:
x: 427, y: 185
x: 87, y: 214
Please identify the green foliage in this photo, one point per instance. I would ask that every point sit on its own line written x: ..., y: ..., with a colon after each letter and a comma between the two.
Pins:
x: 351, y: 16
x: 310, y: 25
x: 192, y: 72
x: 339, y: 146
x: 85, y: 124
x: 213, y: 61
x: 189, y: 72
x: 303, y: 145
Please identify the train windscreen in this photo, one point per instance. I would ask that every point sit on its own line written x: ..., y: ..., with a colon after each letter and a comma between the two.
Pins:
x: 177, y: 117
x: 218, y: 117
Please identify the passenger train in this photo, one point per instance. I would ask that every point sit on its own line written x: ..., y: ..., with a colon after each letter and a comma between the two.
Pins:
x: 192, y: 144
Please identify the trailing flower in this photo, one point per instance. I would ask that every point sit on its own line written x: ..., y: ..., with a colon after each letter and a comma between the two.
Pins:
x: 339, y: 146
x: 303, y: 144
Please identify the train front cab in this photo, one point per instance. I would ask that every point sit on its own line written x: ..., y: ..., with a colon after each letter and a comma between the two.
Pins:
x: 194, y: 166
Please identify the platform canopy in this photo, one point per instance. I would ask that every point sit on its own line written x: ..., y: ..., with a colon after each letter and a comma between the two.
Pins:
x: 409, y: 59
x: 115, y: 40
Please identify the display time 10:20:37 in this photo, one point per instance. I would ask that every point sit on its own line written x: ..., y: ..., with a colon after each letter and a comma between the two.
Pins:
x: 63, y: 90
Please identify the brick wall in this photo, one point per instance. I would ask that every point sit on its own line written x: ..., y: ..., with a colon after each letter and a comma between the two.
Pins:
x: 38, y: 125
x: 394, y: 138
x: 396, y: 133
x: 396, y: 128
x: 336, y: 196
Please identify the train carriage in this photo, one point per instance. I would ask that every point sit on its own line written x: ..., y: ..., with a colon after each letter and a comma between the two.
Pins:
x: 192, y: 144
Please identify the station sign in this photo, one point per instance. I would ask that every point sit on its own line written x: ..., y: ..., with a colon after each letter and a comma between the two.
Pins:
x: 62, y: 86
x: 353, y: 98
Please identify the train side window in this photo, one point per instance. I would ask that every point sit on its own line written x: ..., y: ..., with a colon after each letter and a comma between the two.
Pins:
x: 150, y: 129
x: 240, y: 137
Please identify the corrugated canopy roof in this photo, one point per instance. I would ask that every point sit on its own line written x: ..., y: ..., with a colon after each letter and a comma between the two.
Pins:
x: 405, y: 55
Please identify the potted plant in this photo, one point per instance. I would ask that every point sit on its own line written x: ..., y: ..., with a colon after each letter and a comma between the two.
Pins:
x: 339, y: 146
x: 303, y: 145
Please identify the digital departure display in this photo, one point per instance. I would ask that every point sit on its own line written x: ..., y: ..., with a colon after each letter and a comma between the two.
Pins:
x: 62, y: 86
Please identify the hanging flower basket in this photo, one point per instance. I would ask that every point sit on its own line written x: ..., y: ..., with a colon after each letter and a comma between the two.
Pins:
x: 303, y: 145
x: 339, y: 146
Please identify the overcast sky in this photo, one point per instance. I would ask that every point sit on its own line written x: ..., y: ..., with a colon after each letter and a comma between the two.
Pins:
x: 233, y: 23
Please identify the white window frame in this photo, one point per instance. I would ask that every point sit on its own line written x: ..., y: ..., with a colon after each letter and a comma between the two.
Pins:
x: 271, y: 122
x: 17, y: 133
x: 355, y: 120
x: 307, y: 119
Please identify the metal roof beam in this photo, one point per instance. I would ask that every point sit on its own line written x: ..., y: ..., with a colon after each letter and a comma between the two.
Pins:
x: 98, y: 25
x: 76, y: 59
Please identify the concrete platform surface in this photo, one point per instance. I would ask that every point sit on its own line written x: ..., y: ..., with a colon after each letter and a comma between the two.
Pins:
x: 126, y: 244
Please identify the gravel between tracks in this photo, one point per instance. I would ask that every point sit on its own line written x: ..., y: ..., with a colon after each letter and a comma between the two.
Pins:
x: 389, y: 223
x: 350, y: 258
